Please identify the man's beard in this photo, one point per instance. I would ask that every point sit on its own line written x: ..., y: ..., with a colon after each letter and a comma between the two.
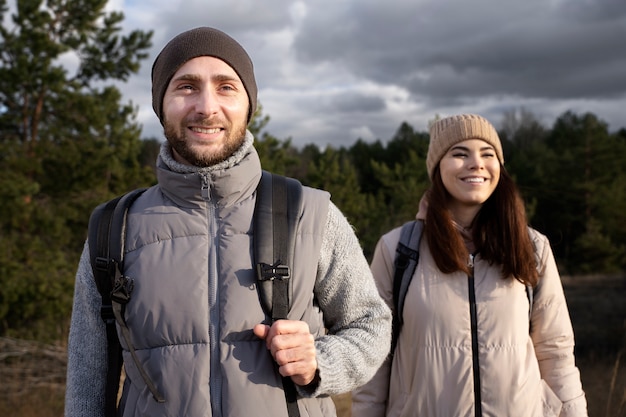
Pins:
x: 195, y: 155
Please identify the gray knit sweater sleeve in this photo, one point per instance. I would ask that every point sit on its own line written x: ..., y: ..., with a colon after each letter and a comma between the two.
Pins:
x: 357, y: 319
x: 86, y: 357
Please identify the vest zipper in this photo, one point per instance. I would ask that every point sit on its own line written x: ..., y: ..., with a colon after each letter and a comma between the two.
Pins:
x: 474, y: 325
x: 215, y: 377
x: 206, y: 188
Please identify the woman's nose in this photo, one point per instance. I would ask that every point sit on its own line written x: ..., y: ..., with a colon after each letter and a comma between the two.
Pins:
x: 475, y: 161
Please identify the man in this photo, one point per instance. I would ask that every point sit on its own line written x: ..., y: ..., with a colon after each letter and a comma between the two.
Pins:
x: 195, y: 318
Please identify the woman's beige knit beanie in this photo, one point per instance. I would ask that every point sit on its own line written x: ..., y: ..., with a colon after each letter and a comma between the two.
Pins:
x: 444, y: 133
x: 201, y: 41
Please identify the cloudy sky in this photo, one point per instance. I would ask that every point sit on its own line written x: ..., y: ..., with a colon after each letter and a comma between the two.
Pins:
x: 333, y: 71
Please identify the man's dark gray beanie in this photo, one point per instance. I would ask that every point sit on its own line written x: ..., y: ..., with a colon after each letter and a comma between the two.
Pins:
x: 202, y: 41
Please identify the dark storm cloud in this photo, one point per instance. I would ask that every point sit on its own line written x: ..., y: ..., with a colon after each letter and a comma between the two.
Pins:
x: 233, y: 17
x: 572, y: 49
x: 351, y: 103
x: 359, y: 68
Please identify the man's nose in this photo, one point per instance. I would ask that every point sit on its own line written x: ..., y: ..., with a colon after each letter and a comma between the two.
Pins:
x: 206, y: 102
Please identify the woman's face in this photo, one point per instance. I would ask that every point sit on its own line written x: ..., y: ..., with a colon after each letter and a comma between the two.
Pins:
x: 470, y: 171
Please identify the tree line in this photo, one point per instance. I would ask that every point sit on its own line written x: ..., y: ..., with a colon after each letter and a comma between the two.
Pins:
x: 571, y: 176
x: 68, y: 143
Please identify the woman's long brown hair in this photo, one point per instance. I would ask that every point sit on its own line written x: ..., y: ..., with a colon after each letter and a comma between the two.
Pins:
x: 500, y: 232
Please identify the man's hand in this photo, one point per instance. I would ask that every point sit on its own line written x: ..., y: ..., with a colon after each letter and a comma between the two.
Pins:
x: 292, y: 347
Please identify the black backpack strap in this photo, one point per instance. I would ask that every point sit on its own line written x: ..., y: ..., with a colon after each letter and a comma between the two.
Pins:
x: 107, y: 232
x: 407, y: 256
x: 276, y: 215
x: 99, y: 229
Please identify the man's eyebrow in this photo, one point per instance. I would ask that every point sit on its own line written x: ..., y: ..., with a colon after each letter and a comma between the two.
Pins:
x: 187, y: 77
x: 215, y: 78
x: 225, y: 77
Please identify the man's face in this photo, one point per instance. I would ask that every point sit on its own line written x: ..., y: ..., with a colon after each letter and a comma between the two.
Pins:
x: 205, y: 112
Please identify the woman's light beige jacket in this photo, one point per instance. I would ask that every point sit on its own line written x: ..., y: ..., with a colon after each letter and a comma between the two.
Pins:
x: 522, y: 372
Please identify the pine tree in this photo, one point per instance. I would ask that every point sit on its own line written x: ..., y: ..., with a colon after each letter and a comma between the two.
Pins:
x: 66, y: 144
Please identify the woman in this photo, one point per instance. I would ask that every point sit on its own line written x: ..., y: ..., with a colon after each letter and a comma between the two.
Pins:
x: 467, y: 345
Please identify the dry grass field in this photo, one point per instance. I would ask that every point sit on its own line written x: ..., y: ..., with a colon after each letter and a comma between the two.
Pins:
x: 33, y: 375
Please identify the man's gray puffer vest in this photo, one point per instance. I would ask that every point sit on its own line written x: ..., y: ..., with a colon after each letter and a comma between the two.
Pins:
x: 195, y: 301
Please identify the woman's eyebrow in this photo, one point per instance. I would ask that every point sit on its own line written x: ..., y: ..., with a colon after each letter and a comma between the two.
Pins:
x: 487, y: 147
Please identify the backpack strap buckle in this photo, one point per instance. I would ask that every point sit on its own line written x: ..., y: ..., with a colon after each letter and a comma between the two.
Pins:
x: 102, y: 264
x: 267, y: 272
x: 122, y: 288
x: 106, y: 312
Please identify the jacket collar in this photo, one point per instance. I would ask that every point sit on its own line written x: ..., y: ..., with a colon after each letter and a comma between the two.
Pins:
x: 224, y: 184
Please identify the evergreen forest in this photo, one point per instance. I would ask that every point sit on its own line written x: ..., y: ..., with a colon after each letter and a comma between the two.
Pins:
x: 69, y: 143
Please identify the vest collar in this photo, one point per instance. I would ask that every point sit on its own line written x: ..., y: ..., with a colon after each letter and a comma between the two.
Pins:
x: 225, y: 184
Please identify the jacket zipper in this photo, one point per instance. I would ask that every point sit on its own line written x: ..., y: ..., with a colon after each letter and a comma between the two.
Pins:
x: 474, y: 324
x: 215, y: 378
